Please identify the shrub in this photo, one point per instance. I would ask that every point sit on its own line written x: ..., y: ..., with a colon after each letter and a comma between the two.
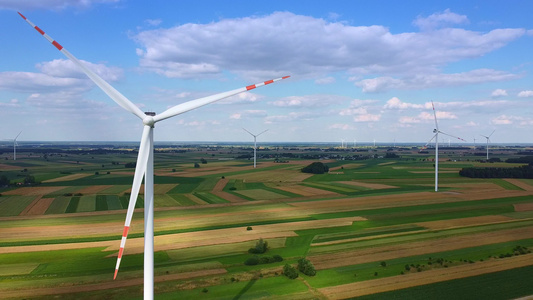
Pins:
x: 260, y: 247
x: 277, y: 258
x: 305, y: 266
x: 252, y: 261
x: 232, y: 188
x: 316, y: 168
x: 249, y: 228
x: 290, y: 271
x: 383, y: 264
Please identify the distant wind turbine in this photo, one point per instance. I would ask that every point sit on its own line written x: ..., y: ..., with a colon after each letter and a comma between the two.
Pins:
x: 488, y: 140
x: 255, y: 143
x: 15, y: 144
x: 436, y: 131
x: 145, y: 163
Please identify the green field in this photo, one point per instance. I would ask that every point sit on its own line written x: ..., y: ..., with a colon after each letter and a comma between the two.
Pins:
x: 65, y: 247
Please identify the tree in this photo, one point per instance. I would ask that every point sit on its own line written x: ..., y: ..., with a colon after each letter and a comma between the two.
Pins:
x: 305, y: 266
x: 196, y: 165
x: 203, y: 161
x: 260, y: 247
x: 290, y: 271
x: 316, y: 168
x: 29, y: 179
x: 4, y: 181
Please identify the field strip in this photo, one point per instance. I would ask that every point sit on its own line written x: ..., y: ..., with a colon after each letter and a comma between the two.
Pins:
x: 375, y: 286
x: 161, y: 189
x: 407, y: 199
x: 68, y: 177
x: 305, y: 191
x: 519, y: 183
x: 52, y: 247
x: 29, y: 207
x: 18, y: 269
x: 463, y: 222
x: 375, y: 186
x: 8, y: 167
x: 108, y: 284
x: 195, y: 199
x: 38, y: 207
x: 232, y: 235
x: 230, y: 197
x: 33, y: 191
x: 93, y: 189
x: 327, y: 261
x: 523, y: 207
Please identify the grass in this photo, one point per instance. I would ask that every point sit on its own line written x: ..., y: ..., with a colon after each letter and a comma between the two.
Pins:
x: 58, y: 206
x: 509, y: 284
x: 14, y: 205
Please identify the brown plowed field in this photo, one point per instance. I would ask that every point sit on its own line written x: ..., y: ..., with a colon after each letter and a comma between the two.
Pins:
x: 523, y: 207
x: 34, y: 191
x: 374, y: 186
x: 37, y: 207
x: 369, y: 287
x: 519, y: 183
x: 68, y: 177
x: 93, y: 189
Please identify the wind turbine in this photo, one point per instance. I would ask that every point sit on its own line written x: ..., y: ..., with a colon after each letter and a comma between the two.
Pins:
x: 145, y: 163
x: 436, y: 131
x: 488, y: 140
x: 342, y: 143
x: 255, y: 143
x: 15, y: 144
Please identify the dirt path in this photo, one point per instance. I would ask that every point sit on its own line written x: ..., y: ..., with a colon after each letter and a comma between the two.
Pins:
x: 369, y: 287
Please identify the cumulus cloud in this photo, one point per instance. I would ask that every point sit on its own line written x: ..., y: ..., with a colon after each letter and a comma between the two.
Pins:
x: 525, y: 94
x: 341, y: 126
x: 499, y: 93
x: 395, y: 103
x: 196, y: 50
x: 440, y: 19
x: 56, y: 75
x: 367, y: 118
x: 309, y: 101
x: 51, y: 4
x: 382, y: 84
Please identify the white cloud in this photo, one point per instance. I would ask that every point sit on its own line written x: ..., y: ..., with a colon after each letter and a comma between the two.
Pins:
x: 525, y: 94
x: 502, y: 120
x: 499, y: 93
x: 153, y: 22
x: 367, y: 118
x: 309, y: 101
x: 341, y: 126
x: 409, y: 120
x: 395, y: 103
x: 437, y: 20
x: 382, y: 84
x: 195, y: 50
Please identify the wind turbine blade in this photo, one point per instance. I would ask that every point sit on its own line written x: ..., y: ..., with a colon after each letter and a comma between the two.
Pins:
x: 430, y: 140
x: 453, y: 136
x: 491, y: 133
x: 17, y: 135
x: 102, y: 84
x: 435, y: 115
x: 249, y: 132
x: 261, y: 133
x: 140, y: 169
x: 190, y: 105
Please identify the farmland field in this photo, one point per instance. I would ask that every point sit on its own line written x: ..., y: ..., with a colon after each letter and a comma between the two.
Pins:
x: 372, y: 227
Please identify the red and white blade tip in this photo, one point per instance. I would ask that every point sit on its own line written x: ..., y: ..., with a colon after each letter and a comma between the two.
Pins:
x: 253, y: 86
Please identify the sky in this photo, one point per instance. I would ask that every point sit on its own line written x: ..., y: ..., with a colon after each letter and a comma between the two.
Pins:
x: 360, y: 70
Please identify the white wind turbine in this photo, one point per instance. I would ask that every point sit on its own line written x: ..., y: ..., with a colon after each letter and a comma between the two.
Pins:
x: 436, y: 131
x: 255, y: 143
x: 145, y: 164
x: 15, y: 144
x: 488, y: 140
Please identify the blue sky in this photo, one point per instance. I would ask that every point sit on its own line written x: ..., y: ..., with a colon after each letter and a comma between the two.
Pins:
x: 360, y: 70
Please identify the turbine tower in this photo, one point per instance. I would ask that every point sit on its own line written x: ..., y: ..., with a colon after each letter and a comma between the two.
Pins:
x: 255, y: 143
x: 145, y: 163
x: 436, y: 131
x: 488, y: 140
x: 15, y: 144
